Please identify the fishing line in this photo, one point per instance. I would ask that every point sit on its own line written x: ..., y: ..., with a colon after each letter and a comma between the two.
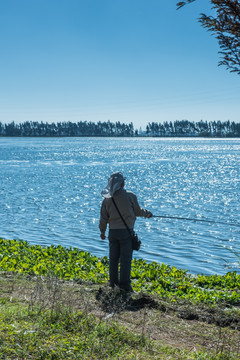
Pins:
x: 207, y: 221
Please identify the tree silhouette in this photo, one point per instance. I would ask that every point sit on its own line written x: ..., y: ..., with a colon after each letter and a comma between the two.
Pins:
x: 225, y: 26
x: 177, y: 128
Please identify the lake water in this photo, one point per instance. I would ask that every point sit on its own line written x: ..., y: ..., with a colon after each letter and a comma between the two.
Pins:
x: 50, y: 193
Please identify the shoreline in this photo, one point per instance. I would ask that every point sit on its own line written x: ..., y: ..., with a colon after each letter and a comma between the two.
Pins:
x: 49, y: 318
x: 56, y: 304
x: 154, y: 278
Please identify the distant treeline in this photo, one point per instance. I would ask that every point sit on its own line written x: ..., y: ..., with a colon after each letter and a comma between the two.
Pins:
x: 178, y: 128
x: 202, y: 128
x: 81, y: 128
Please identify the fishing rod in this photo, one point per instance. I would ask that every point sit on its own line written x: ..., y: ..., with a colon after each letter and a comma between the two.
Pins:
x: 202, y: 220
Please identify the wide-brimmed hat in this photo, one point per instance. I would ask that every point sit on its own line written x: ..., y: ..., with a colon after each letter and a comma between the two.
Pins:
x: 114, y: 184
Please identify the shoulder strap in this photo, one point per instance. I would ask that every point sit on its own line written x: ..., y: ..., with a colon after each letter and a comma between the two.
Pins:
x: 121, y: 216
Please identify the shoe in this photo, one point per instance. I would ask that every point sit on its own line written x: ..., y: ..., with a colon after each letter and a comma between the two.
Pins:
x: 128, y: 291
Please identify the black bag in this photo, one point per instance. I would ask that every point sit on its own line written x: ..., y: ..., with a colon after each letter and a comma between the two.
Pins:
x: 136, y: 242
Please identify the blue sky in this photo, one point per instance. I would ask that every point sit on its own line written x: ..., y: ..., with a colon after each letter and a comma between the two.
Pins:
x: 117, y: 60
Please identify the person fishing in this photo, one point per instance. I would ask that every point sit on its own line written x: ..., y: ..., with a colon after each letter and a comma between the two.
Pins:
x: 120, y: 243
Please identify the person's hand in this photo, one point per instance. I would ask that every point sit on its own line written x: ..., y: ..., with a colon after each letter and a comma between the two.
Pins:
x: 150, y: 215
x: 102, y: 236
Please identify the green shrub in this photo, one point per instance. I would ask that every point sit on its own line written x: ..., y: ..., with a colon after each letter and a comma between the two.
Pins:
x: 74, y: 264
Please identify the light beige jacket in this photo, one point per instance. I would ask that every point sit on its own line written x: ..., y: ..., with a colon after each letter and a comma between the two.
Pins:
x: 128, y: 206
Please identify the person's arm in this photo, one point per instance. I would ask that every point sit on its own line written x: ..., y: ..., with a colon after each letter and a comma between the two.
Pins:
x: 104, y: 218
x: 138, y: 210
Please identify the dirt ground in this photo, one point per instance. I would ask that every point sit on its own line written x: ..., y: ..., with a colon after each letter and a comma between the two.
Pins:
x: 169, y: 323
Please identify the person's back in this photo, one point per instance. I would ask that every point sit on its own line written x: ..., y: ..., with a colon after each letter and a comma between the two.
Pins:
x: 128, y: 206
x: 120, y: 243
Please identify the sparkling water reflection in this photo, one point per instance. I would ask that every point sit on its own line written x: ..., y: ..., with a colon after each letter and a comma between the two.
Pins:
x: 50, y: 194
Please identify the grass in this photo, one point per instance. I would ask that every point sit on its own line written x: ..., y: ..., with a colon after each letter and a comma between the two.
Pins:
x: 153, y: 278
x: 72, y: 336
x: 47, y: 316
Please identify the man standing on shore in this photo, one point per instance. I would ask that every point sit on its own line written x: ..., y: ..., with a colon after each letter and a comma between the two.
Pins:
x: 120, y: 242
